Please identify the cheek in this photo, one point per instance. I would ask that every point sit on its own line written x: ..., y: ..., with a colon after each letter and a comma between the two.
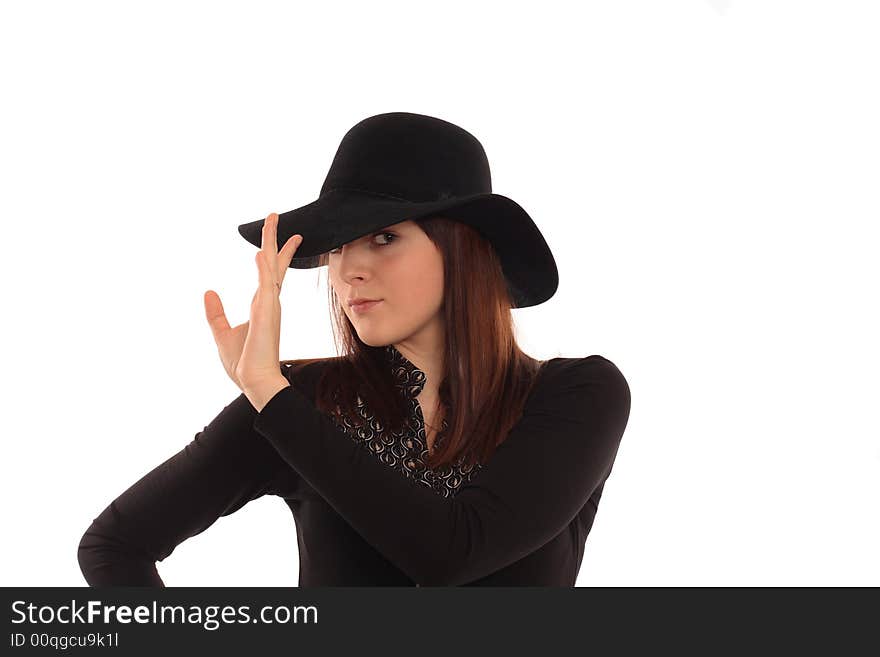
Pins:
x: 422, y: 286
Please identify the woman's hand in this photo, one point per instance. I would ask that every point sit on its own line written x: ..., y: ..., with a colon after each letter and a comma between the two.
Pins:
x: 250, y: 351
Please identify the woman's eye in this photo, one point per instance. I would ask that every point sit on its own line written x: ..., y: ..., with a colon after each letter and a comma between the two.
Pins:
x: 385, y: 235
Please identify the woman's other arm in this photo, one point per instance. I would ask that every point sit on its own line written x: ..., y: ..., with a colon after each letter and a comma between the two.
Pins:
x: 225, y: 466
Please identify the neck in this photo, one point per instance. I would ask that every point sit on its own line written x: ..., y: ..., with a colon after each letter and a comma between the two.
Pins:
x: 429, y: 359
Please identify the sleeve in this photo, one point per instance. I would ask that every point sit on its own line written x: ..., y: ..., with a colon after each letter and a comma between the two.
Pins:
x: 225, y: 466
x: 536, y: 482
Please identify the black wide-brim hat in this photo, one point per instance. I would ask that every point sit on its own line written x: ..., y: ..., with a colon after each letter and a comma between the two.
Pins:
x: 400, y: 166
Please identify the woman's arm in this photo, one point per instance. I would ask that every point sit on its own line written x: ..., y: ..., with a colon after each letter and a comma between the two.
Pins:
x: 225, y: 466
x: 560, y: 451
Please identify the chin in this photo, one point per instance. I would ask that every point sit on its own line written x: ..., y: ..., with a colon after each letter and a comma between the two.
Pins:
x: 372, y: 340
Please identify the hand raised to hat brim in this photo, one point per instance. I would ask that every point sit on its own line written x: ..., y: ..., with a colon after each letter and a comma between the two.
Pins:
x: 250, y: 351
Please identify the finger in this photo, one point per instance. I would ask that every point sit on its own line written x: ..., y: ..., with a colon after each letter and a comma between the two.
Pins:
x: 270, y: 235
x: 270, y: 241
x: 214, y: 312
x: 287, y: 253
x: 266, y: 277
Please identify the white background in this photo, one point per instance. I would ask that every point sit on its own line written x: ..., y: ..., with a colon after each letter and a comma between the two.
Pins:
x: 705, y: 173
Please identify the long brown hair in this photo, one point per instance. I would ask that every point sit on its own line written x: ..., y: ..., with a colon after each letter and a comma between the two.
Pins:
x: 486, y: 378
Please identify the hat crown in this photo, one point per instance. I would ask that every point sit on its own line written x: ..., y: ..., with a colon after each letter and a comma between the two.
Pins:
x: 412, y: 157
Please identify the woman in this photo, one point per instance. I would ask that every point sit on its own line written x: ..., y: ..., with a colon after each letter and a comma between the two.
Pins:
x: 433, y: 451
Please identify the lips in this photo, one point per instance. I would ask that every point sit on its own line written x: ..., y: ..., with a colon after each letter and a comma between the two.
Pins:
x: 365, y: 306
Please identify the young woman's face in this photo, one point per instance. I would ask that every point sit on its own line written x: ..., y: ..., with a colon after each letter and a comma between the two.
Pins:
x: 399, y: 265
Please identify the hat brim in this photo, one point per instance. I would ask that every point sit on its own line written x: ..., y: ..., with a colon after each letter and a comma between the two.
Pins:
x: 339, y: 217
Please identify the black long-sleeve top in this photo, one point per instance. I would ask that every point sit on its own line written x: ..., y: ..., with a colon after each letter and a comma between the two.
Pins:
x: 368, y: 511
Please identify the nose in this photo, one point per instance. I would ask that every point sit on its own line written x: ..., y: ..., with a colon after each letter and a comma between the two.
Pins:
x: 352, y: 264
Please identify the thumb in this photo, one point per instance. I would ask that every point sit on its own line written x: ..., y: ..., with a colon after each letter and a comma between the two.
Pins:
x: 214, y: 313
